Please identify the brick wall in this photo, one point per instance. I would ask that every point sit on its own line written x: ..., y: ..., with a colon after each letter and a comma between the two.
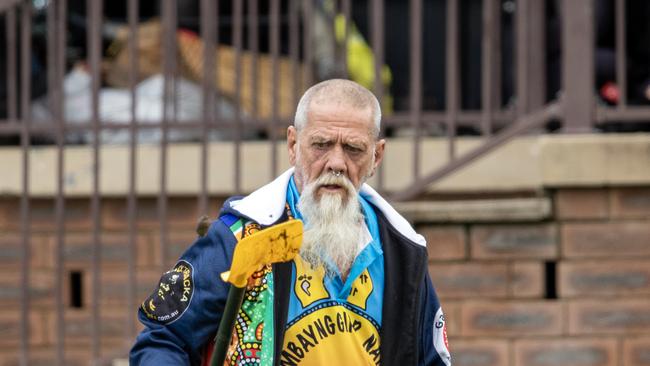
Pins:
x: 573, y: 289
x: 77, y: 258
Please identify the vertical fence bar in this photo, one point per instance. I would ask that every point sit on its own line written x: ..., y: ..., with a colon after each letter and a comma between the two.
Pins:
x: 94, y: 46
x: 578, y: 64
x: 253, y: 46
x: 308, y: 52
x: 61, y: 31
x: 25, y: 91
x: 168, y: 6
x: 294, y: 50
x: 521, y: 56
x: 132, y: 14
x: 173, y: 43
x: 11, y: 64
x: 237, y: 42
x: 207, y: 33
x: 216, y: 111
x: 333, y: 8
x: 274, y: 41
x: 415, y: 83
x: 536, y: 54
x: 452, y: 80
x: 496, y: 70
x: 59, y: 99
x: 347, y: 14
x: 487, y: 66
x: 377, y: 43
x: 621, y: 56
x: 59, y: 205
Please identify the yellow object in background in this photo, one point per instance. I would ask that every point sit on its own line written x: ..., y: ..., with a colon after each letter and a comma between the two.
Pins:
x: 361, y: 62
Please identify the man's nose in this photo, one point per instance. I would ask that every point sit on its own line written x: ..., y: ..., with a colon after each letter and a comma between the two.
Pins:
x: 336, y: 161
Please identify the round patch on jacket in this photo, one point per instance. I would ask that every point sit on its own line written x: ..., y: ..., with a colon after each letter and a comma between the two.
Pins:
x: 173, y: 295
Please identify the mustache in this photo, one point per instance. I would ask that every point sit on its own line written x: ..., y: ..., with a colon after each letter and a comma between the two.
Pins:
x: 330, y: 179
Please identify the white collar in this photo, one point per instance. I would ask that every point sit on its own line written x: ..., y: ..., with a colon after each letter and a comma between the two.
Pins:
x: 266, y: 205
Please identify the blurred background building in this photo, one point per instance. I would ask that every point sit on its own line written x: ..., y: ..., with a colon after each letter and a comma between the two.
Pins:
x: 518, y: 144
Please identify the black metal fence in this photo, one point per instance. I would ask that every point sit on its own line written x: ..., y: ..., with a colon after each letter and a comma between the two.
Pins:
x: 494, y: 68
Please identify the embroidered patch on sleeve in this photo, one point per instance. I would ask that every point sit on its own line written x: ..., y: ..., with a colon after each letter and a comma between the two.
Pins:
x: 440, y: 342
x: 173, y: 295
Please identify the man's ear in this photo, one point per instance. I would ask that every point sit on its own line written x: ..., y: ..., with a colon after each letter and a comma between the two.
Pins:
x: 379, y: 153
x: 292, y: 144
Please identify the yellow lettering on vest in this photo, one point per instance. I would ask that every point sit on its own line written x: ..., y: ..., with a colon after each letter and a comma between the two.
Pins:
x: 333, y: 335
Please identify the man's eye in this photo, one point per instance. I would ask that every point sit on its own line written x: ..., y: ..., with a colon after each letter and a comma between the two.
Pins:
x: 320, y: 145
x: 353, y: 149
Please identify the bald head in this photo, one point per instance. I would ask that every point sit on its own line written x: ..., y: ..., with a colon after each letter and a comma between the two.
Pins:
x: 338, y: 92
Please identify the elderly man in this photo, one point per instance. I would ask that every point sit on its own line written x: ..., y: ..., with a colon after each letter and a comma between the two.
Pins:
x: 358, y: 293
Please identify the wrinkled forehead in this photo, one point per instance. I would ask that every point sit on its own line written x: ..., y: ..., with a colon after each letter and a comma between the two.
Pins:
x: 338, y: 100
x: 330, y: 114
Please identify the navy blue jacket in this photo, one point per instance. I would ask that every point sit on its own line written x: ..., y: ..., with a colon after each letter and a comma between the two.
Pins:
x: 413, y: 325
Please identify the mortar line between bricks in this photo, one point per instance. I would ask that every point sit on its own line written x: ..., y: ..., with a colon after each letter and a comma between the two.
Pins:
x: 620, y: 349
x: 555, y: 210
x: 467, y: 241
x: 511, y: 352
x: 619, y: 297
x: 565, y: 318
x: 510, y: 290
x: 549, y: 337
x: 479, y: 261
x: 626, y: 257
x: 560, y: 249
x: 636, y: 219
x: 608, y: 202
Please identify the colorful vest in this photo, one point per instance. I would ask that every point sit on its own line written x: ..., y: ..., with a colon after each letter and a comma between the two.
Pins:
x: 251, y: 342
x: 329, y: 321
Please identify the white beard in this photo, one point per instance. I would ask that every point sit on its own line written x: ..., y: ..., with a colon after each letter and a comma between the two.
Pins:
x: 333, y: 224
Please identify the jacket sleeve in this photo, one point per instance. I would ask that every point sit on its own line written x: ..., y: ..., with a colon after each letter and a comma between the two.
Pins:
x: 185, y: 309
x: 434, y: 348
